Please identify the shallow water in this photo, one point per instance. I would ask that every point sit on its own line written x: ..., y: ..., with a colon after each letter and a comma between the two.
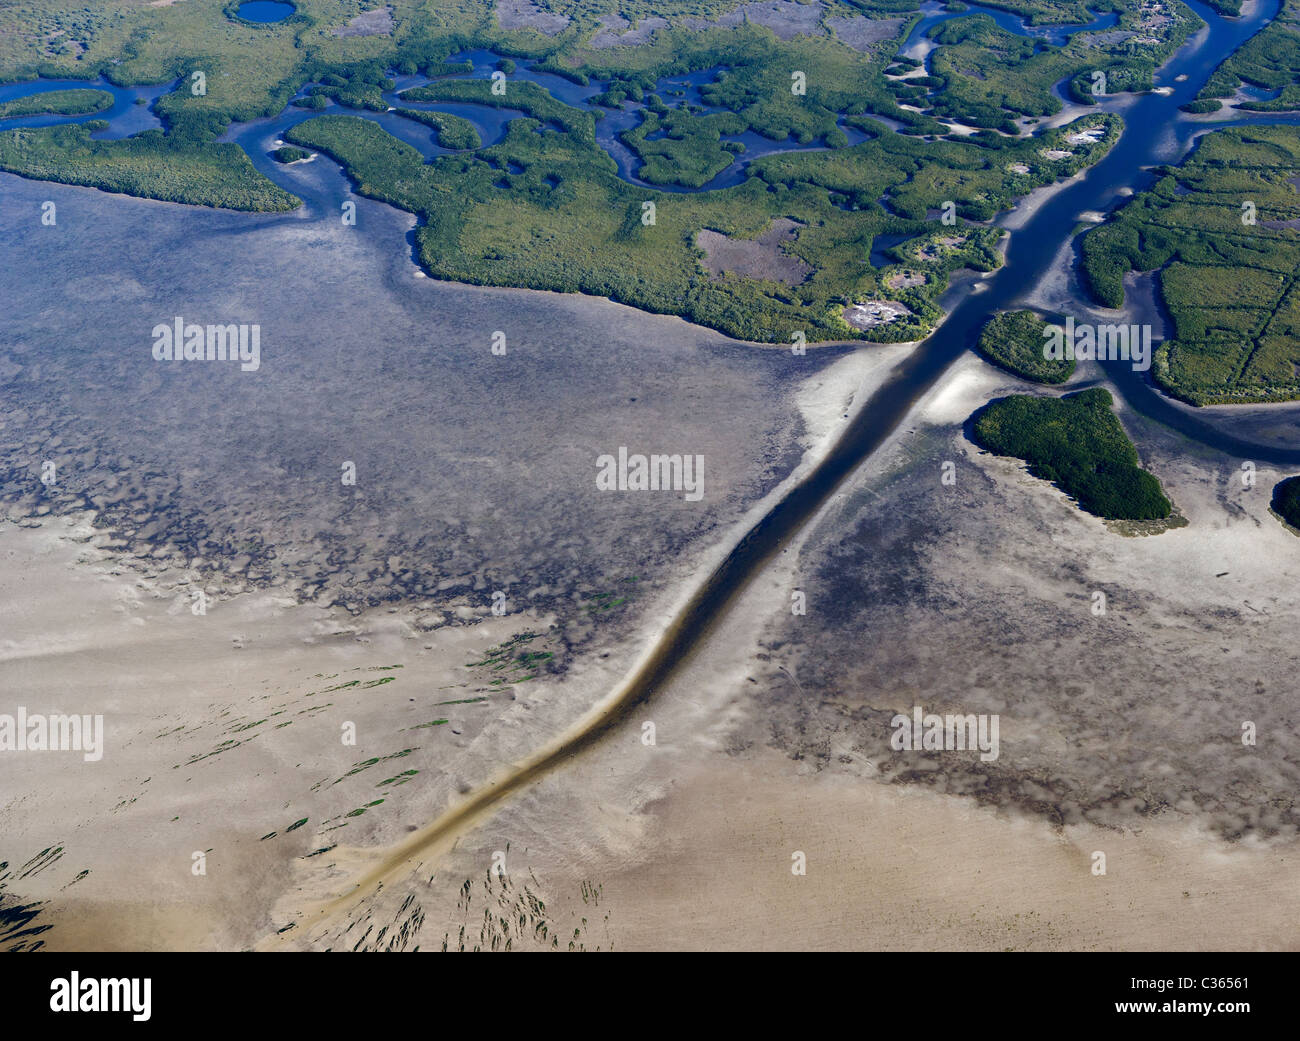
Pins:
x: 934, y: 13
x: 1157, y: 133
x: 474, y: 471
x: 132, y: 109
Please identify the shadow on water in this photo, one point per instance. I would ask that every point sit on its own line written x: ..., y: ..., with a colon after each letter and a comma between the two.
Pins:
x: 17, y: 933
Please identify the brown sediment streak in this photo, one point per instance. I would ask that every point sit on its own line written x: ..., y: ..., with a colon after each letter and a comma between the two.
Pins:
x: 875, y: 420
x: 679, y: 639
x: 687, y: 630
x: 437, y: 837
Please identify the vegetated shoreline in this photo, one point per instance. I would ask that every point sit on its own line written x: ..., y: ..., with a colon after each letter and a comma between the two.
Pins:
x: 748, y: 313
x: 1013, y: 340
x: 1285, y: 505
x: 1226, y: 343
x: 732, y: 313
x: 248, y: 197
x: 73, y: 101
x: 1077, y: 443
x: 217, y: 175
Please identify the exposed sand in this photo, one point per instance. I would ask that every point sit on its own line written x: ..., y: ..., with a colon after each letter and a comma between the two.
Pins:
x: 690, y: 840
x: 322, y: 908
x: 786, y: 18
x: 862, y: 33
x: 905, y: 280
x: 114, y: 633
x: 193, y: 704
x: 378, y: 22
x: 252, y: 677
x: 871, y: 314
x: 904, y: 869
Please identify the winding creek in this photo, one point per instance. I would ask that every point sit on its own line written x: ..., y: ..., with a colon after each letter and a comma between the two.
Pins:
x: 1156, y: 133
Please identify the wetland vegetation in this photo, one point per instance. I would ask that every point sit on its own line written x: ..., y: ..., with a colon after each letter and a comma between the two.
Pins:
x: 1222, y: 231
x: 1286, y: 501
x: 546, y: 207
x: 290, y: 154
x: 1076, y: 443
x: 150, y: 165
x: 75, y: 102
x: 1014, y: 340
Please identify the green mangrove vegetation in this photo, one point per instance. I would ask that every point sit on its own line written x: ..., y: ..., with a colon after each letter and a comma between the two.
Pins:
x: 1014, y: 340
x: 1223, y: 232
x: 1286, y: 501
x: 984, y: 76
x: 451, y: 131
x: 1269, y: 60
x: 290, y: 154
x: 529, y: 98
x: 254, y: 70
x: 544, y: 208
x: 1077, y: 443
x: 149, y: 165
x: 76, y: 102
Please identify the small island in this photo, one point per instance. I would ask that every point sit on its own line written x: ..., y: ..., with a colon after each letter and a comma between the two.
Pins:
x: 1013, y: 340
x: 58, y: 103
x: 1286, y: 502
x: 454, y: 132
x: 290, y: 154
x: 1076, y: 443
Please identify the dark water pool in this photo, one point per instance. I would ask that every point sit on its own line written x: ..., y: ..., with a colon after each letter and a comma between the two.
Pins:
x: 265, y: 11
